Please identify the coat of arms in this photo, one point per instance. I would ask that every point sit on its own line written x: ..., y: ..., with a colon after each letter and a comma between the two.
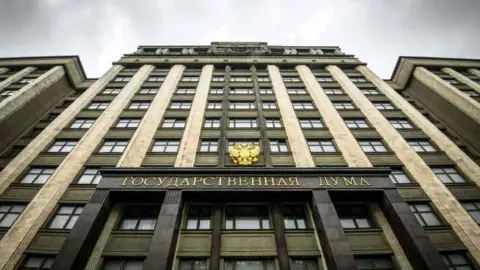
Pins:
x: 244, y: 154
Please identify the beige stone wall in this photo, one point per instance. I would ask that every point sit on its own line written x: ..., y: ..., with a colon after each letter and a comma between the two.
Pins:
x: 15, y: 77
x: 463, y: 79
x: 191, y: 136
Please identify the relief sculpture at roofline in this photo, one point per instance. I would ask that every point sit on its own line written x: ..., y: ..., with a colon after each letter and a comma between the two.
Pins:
x: 240, y: 48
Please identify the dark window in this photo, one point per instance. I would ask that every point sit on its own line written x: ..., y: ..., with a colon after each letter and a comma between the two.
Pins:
x: 127, y: 264
x: 9, y: 213
x: 448, y: 175
x: 90, y: 176
x: 305, y: 264
x: 399, y: 177
x: 37, y: 262
x: 65, y: 217
x: 383, y: 106
x: 193, y: 265
x: 278, y: 146
x: 249, y: 265
x: 199, y: 217
x: 37, y: 176
x: 473, y: 208
x: 294, y: 217
x: 354, y: 216
x: 139, y: 218
x: 374, y: 263
x: 247, y: 217
x: 457, y: 261
x: 425, y: 214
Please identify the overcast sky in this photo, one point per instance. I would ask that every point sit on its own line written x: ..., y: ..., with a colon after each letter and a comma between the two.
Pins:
x: 376, y: 31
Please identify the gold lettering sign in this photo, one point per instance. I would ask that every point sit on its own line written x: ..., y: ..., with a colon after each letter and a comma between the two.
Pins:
x: 244, y: 154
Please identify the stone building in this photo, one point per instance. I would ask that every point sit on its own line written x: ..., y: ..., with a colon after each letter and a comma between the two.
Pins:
x: 239, y: 156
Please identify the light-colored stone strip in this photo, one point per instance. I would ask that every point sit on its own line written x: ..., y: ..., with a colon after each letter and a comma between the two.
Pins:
x: 141, y: 140
x: 463, y: 79
x: 474, y: 71
x: 449, y: 92
x: 191, y: 136
x: 462, y: 160
x: 297, y: 142
x: 37, y: 211
x: 15, y: 77
x: 453, y: 212
x: 13, y: 170
x: 3, y: 70
x: 400, y: 257
x: 21, y: 97
x: 94, y: 260
x: 344, y: 139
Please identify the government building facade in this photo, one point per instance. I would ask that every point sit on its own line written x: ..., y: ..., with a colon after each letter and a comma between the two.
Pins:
x: 239, y: 156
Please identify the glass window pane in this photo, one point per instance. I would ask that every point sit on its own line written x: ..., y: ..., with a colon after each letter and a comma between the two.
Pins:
x: 289, y: 223
x: 59, y: 222
x: 347, y: 223
x: 431, y: 219
x: 247, y: 223
x: 8, y: 220
x: 128, y: 224
x: 133, y: 265
x: 147, y: 224
x: 34, y: 262
x: 204, y: 224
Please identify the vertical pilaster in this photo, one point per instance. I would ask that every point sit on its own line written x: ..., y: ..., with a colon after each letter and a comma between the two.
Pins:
x: 19, y: 236
x: 280, y: 236
x: 162, y: 247
x: 462, y: 160
x: 191, y: 136
x: 463, y: 79
x: 461, y: 100
x: 216, y: 237
x: 296, y: 140
x: 346, y: 143
x: 3, y: 70
x: 139, y: 144
x: 453, y: 212
x: 474, y: 71
x: 15, y: 77
x: 21, y: 97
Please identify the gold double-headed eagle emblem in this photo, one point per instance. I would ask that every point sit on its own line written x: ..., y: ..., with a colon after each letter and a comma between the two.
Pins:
x: 244, y: 154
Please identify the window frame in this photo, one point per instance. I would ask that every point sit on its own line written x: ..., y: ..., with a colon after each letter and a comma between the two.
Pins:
x: 401, y: 123
x: 321, y: 145
x: 199, y: 217
x: 216, y: 91
x: 12, y: 211
x: 138, y: 214
x: 297, y: 214
x: 265, y: 91
x: 353, y: 213
x: 86, y: 173
x: 333, y: 91
x: 211, y: 123
x: 235, y: 105
x: 179, y: 123
x: 422, y: 146
x: 208, y: 146
x: 279, y: 146
x: 167, y: 144
x: 303, y: 105
x: 74, y: 215
x: 82, y: 122
x: 180, y: 105
x: 242, y: 123
x: 475, y: 208
x: 148, y: 91
x: 273, y: 123
x: 186, y: 91
x: 419, y: 214
x: 373, y: 144
x: 444, y: 173
x: 131, y: 123
x: 399, y: 173
x: 262, y: 214
x: 122, y: 144
x: 155, y: 78
x: 37, y: 174
x: 344, y: 105
x: 384, y: 106
x: 139, y: 105
x: 311, y: 123
x: 356, y: 123
x: 66, y: 146
x: 190, y: 79
x: 98, y: 105
x: 111, y: 91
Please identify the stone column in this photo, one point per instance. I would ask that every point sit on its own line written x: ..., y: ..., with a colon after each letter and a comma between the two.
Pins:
x: 463, y: 79
x: 15, y: 77
x: 19, y: 236
x: 21, y: 97
x: 216, y: 237
x: 296, y: 140
x: 449, y: 92
x: 140, y: 143
x: 3, y: 70
x: 347, y: 144
x: 193, y: 128
x: 474, y: 71
x: 462, y: 160
x: 280, y: 239
x: 453, y: 212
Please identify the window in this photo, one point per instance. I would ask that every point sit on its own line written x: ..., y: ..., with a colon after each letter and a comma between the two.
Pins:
x: 216, y: 91
x: 130, y: 69
x: 457, y: 261
x: 173, y: 123
x: 27, y: 80
x: 139, y: 218
x: 369, y: 91
x: 115, y: 264
x: 296, y: 91
x: 37, y: 176
x: 193, y: 265
x: 358, y: 79
x: 242, y: 105
x: 218, y: 79
x: 65, y: 217
x: 186, y: 91
x: 321, y: 146
x: 128, y: 123
x: 325, y: 79
x: 214, y: 105
x: 111, y: 91
x: 166, y: 146
x: 9, y: 213
x: 424, y: 214
x: 273, y: 123
x: 372, y: 146
x: 451, y: 81
x: 302, y: 105
x: 422, y: 146
x: 384, y: 106
x: 139, y: 105
x: 249, y: 265
x: 294, y: 217
x: 7, y: 93
x: 237, y: 142
x: 400, y: 124
x: 98, y: 105
x: 241, y: 91
x: 122, y: 79
x: 37, y: 262
x: 374, y: 263
x: 263, y: 79
x: 208, y: 146
x: 343, y: 105
x: 82, y: 123
x: 356, y: 123
x: 311, y: 123
x: 199, y: 217
x: 278, y: 146
x: 291, y: 79
x: 242, y: 123
x: 182, y: 105
x: 62, y: 146
x: 333, y: 91
x: 211, y: 123
x: 303, y: 264
x: 471, y: 93
x: 148, y: 91
x: 156, y: 79
x: 190, y: 79
x: 269, y: 105
x: 354, y: 216
x: 399, y: 177
x: 113, y: 146
x: 448, y: 175
x: 266, y: 91
x: 240, y: 79
x: 90, y: 176
x: 473, y: 208
x: 247, y: 217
